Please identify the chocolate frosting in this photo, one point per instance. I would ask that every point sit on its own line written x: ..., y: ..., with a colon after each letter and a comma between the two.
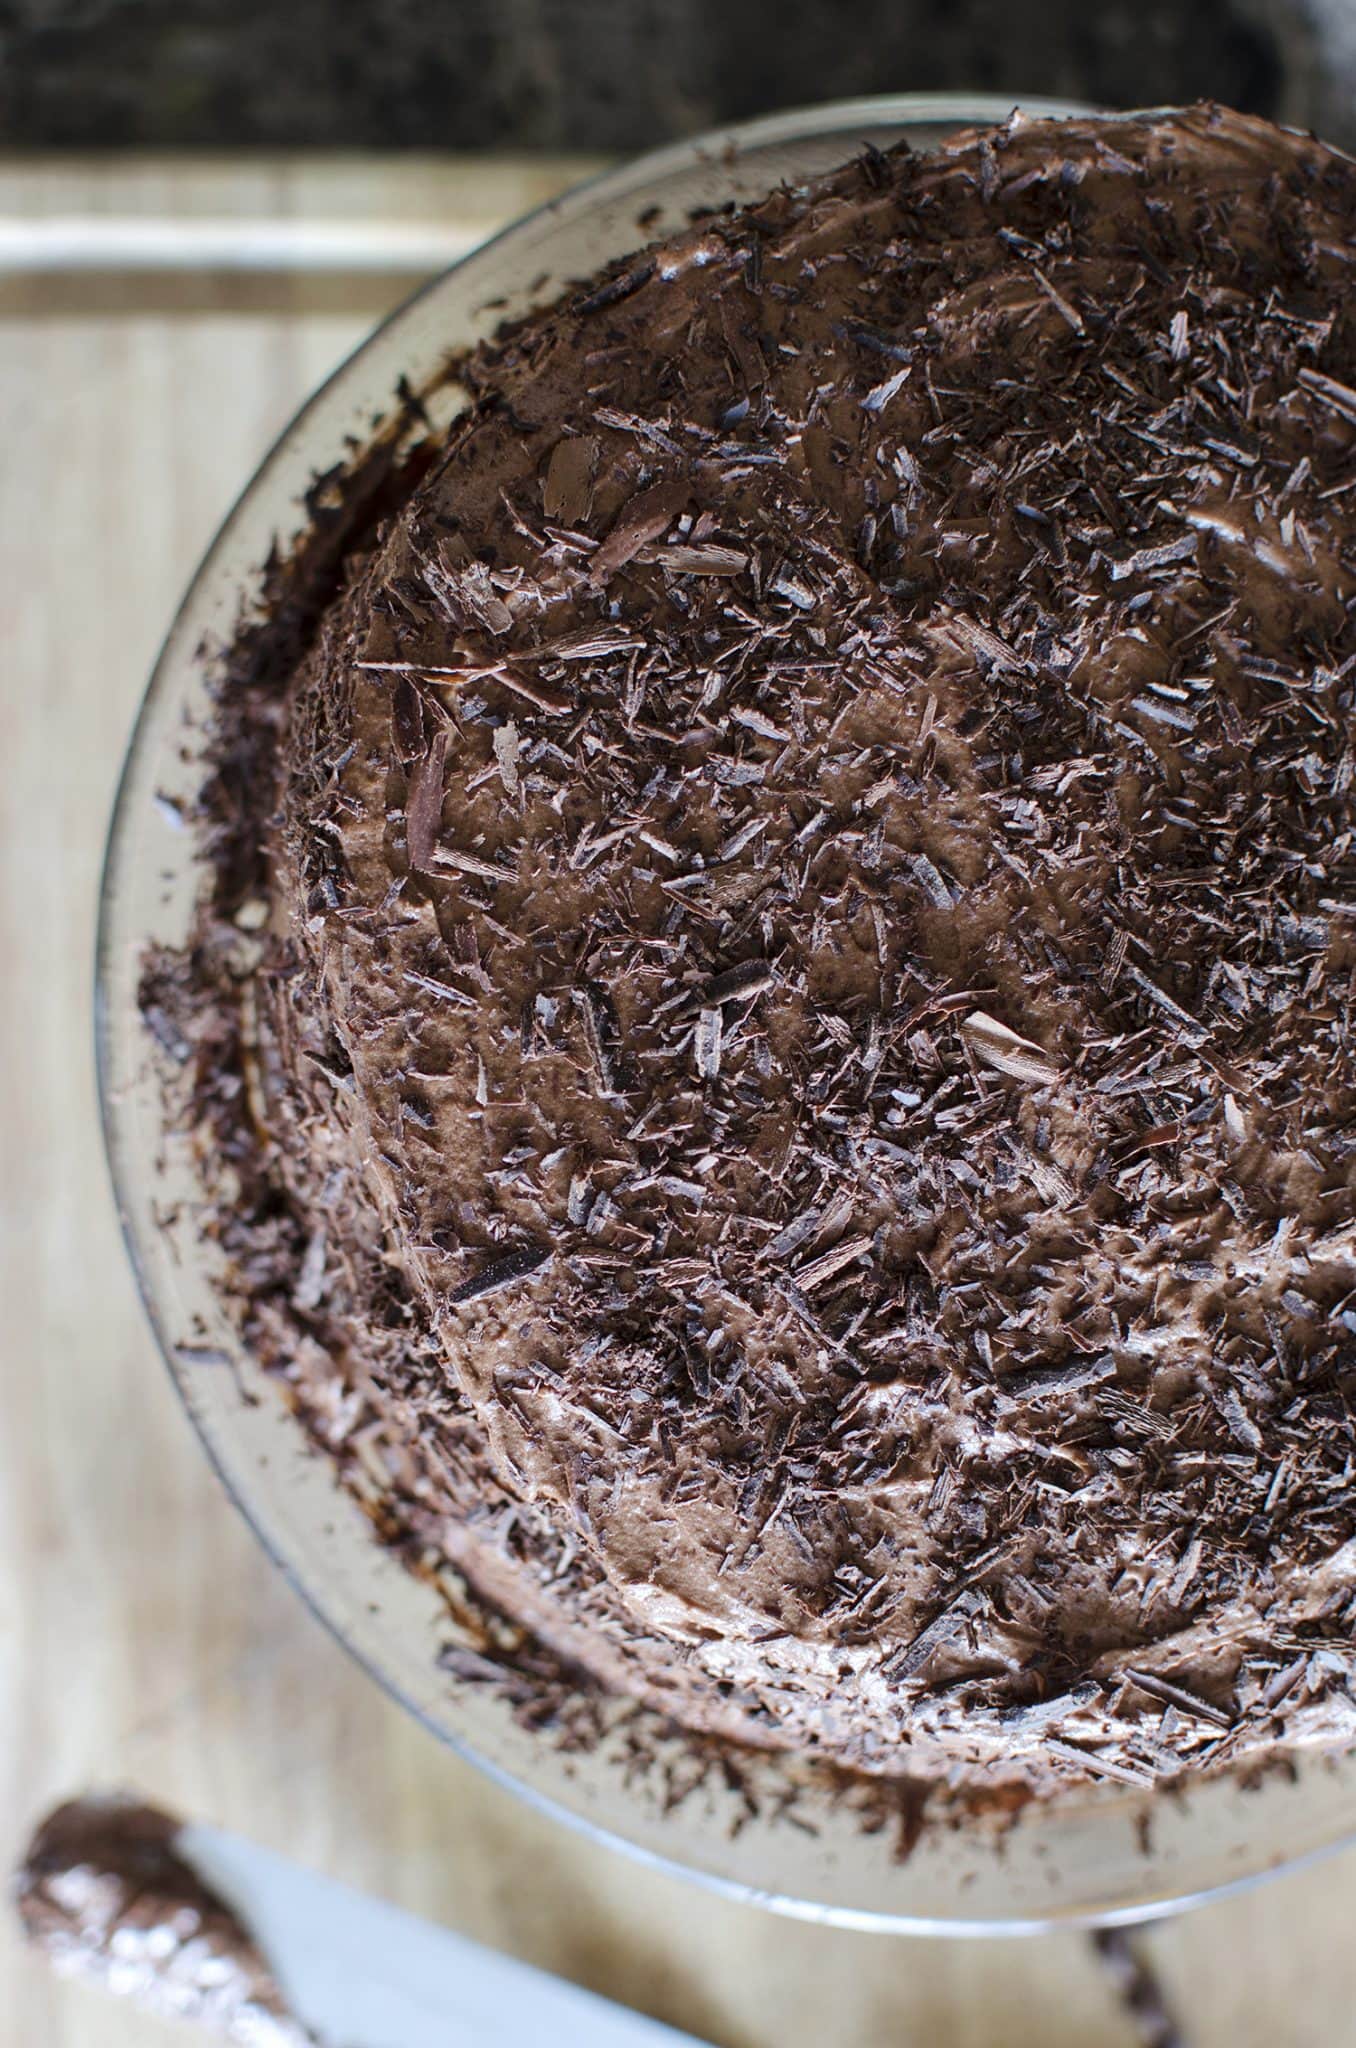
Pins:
x: 795, y: 1010
x: 105, y: 1894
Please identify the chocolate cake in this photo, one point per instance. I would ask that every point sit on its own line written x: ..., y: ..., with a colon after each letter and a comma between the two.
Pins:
x: 774, y: 1021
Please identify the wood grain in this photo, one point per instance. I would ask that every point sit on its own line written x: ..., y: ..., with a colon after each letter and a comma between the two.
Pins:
x: 144, y: 1641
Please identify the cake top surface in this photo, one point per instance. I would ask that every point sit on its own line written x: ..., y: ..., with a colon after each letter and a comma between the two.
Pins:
x: 805, y: 1024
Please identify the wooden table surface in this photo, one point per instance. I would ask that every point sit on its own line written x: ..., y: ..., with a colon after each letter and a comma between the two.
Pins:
x: 144, y: 1640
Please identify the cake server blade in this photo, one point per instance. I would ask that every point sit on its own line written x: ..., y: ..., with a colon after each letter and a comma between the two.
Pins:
x: 363, y: 1974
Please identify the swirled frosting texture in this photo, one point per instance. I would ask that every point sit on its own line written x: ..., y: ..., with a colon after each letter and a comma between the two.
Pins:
x: 806, y: 1020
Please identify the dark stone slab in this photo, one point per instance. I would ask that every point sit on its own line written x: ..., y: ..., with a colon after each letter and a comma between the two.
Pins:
x: 623, y: 74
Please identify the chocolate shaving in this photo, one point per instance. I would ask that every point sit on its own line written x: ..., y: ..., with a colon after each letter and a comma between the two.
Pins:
x: 501, y: 1272
x: 424, y: 804
x: 1341, y: 397
x: 642, y: 519
x: 567, y: 487
x: 914, y: 1658
x: 736, y: 984
x: 615, y: 290
x: 1007, y: 1051
x: 819, y: 1270
x: 1035, y: 1382
x: 708, y: 1040
x: 1160, y: 1688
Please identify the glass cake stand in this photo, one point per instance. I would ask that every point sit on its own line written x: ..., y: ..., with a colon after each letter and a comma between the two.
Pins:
x: 1100, y: 1853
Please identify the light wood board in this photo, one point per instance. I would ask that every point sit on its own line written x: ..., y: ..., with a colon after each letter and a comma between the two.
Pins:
x: 144, y: 1640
